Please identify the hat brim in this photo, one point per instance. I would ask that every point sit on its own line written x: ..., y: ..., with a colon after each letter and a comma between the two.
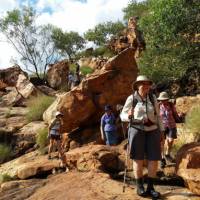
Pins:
x: 162, y: 99
x: 136, y: 83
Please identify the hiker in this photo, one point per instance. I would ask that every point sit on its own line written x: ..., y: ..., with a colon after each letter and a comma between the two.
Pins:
x: 108, y: 126
x: 144, y: 134
x: 168, y: 115
x: 54, y: 134
x: 70, y: 80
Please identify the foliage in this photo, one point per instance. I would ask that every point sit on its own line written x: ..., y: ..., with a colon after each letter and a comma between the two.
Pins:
x: 33, y: 43
x: 5, y: 178
x: 103, y: 31
x: 5, y: 152
x: 68, y: 43
x: 137, y: 9
x: 101, y: 51
x: 193, y: 122
x: 37, y: 105
x: 86, y: 70
x: 171, y: 31
x: 42, y: 138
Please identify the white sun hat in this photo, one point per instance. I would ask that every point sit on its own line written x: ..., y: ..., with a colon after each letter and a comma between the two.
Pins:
x: 58, y: 113
x: 163, y: 96
x: 140, y: 79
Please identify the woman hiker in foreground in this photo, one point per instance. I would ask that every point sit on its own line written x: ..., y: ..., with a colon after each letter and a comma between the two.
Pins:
x: 144, y: 135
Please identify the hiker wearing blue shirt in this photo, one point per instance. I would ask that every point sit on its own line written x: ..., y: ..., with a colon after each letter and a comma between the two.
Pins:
x: 108, y: 126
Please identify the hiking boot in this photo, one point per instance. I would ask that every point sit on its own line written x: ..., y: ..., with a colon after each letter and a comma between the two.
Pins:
x: 153, y: 194
x: 162, y: 163
x: 169, y: 158
x: 140, y: 188
x: 150, y: 189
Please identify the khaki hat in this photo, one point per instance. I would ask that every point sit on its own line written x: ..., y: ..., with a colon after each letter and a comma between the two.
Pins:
x: 163, y: 96
x: 140, y: 79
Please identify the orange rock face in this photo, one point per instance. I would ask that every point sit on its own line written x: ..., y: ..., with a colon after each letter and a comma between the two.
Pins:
x: 110, y: 85
x: 188, y: 166
x: 57, y: 74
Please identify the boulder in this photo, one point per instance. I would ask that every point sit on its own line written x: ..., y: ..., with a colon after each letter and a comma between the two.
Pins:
x: 186, y: 103
x: 21, y: 90
x: 24, y: 87
x: 20, y: 189
x: 93, y: 157
x: 188, y: 166
x: 10, y: 75
x: 84, y: 104
x: 57, y: 74
x: 28, y: 165
x: 25, y: 138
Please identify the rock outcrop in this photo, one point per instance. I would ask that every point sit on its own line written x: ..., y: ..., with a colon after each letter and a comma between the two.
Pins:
x: 18, y: 87
x: 188, y: 166
x: 92, y: 62
x: 111, y: 85
x: 186, y: 103
x: 10, y: 75
x: 28, y: 165
x: 57, y: 74
x: 94, y: 157
x: 25, y: 138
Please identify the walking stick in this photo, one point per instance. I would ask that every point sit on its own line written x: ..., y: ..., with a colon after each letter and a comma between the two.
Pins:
x: 126, y: 164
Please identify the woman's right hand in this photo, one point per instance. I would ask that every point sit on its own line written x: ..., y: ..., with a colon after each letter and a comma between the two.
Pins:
x: 130, y: 113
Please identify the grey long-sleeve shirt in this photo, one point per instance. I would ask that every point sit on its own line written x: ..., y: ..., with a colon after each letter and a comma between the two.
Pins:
x: 143, y: 110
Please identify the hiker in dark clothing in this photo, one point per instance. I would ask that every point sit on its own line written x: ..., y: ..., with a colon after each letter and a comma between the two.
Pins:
x: 142, y: 112
x: 108, y: 126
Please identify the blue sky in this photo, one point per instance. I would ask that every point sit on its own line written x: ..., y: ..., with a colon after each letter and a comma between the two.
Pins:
x: 70, y: 15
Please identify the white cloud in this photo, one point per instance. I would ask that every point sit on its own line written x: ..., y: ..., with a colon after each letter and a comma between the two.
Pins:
x: 7, y: 5
x: 69, y: 15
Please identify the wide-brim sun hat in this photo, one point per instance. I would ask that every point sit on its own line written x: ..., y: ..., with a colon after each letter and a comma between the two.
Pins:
x: 163, y: 96
x: 58, y: 113
x: 140, y: 79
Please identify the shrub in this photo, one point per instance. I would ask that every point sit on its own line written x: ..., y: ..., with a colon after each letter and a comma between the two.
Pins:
x: 41, y: 138
x: 86, y: 70
x: 5, y: 152
x: 72, y: 67
x: 5, y: 178
x: 37, y: 105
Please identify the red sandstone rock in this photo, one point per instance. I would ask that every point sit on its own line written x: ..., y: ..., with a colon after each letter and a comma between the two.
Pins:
x: 188, y: 166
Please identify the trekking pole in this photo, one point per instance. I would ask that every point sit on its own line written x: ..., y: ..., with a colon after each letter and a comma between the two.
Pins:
x: 126, y: 166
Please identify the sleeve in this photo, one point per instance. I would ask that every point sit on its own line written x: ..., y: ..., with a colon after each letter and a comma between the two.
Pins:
x: 126, y: 108
x: 159, y: 120
x: 102, y: 121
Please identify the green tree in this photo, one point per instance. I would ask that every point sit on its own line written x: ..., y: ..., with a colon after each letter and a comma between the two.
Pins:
x: 137, y: 9
x: 104, y: 31
x: 171, y: 29
x: 33, y: 43
x: 67, y: 43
